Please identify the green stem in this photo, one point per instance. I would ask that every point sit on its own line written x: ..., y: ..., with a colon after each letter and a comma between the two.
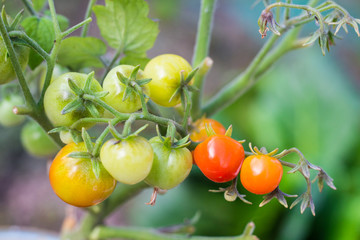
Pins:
x: 111, y: 64
x: 33, y: 44
x: 135, y: 233
x: 29, y: 7
x: 76, y: 27
x: 188, y: 103
x: 87, y: 15
x: 144, y: 107
x: 201, y: 50
x: 17, y: 67
x: 233, y: 90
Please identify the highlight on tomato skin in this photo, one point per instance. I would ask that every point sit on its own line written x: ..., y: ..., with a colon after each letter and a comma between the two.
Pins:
x: 74, y: 181
x: 219, y: 158
x: 261, y: 174
x: 199, y: 133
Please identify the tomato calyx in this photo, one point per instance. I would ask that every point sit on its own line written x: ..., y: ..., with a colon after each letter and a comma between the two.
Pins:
x: 279, y: 195
x: 170, y: 141
x: 74, y: 134
x: 185, y: 87
x: 231, y: 193
x: 132, y: 84
x: 80, y: 100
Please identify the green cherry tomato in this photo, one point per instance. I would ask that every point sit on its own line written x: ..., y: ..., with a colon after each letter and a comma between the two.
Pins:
x: 129, y: 160
x: 171, y: 166
x: 36, y: 141
x: 7, y: 73
x: 7, y: 116
x: 59, y: 94
x: 74, y: 181
x: 164, y: 70
x: 116, y: 90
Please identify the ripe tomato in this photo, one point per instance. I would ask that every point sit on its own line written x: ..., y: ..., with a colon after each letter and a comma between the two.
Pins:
x: 7, y: 73
x: 261, y: 174
x: 7, y: 116
x: 129, y: 160
x: 59, y: 94
x: 164, y: 70
x: 219, y: 158
x: 116, y: 90
x: 199, y: 134
x: 171, y: 166
x: 74, y: 181
x: 36, y: 141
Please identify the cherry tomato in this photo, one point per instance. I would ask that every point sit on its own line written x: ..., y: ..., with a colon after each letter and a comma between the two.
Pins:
x: 36, y: 141
x: 7, y: 73
x: 59, y: 94
x: 261, y: 174
x: 171, y: 166
x: 199, y: 134
x: 74, y: 180
x: 128, y: 160
x: 116, y: 90
x: 7, y: 116
x: 219, y: 158
x: 164, y: 70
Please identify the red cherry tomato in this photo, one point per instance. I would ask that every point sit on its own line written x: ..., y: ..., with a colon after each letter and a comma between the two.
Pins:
x: 261, y: 174
x: 219, y: 158
x: 199, y: 134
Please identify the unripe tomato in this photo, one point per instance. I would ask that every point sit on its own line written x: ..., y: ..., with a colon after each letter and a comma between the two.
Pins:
x: 36, y: 141
x: 219, y: 158
x: 74, y: 180
x: 164, y: 70
x: 7, y: 72
x: 7, y: 117
x: 116, y: 90
x: 65, y: 137
x: 171, y: 166
x: 261, y: 174
x: 128, y: 160
x: 59, y: 94
x: 199, y: 133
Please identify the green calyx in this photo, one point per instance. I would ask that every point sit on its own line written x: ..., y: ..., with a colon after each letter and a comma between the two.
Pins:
x: 184, y: 84
x: 170, y: 141
x: 132, y: 84
x: 126, y: 130
x: 80, y: 100
x: 74, y: 133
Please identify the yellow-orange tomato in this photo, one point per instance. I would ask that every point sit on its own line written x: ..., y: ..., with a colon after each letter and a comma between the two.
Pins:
x: 261, y: 174
x: 199, y: 134
x: 74, y: 180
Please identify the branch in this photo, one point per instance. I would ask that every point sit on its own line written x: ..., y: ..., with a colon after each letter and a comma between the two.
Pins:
x: 87, y: 15
x: 201, y: 50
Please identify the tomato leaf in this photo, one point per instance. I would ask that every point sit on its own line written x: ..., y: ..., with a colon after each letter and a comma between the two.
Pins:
x: 77, y: 52
x: 42, y: 31
x: 132, y: 60
x: 124, y: 25
x: 38, y: 4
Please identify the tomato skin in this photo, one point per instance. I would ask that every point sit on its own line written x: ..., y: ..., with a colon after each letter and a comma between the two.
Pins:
x: 7, y: 72
x: 199, y: 134
x: 36, y: 141
x: 261, y: 174
x: 129, y: 160
x: 7, y: 117
x: 116, y: 90
x: 164, y: 70
x: 170, y: 166
x: 59, y: 94
x: 219, y: 158
x: 74, y: 181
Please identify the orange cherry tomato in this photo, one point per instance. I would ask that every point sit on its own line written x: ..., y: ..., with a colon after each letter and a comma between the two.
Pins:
x: 74, y: 180
x: 219, y: 158
x: 261, y: 174
x: 199, y: 134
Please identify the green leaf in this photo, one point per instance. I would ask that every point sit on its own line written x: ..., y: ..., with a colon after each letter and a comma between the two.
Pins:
x: 63, y: 21
x: 42, y: 31
x: 132, y: 60
x: 38, y: 4
x: 124, y: 25
x: 77, y: 52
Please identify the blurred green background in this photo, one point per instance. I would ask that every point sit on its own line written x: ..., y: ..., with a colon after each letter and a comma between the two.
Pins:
x: 306, y: 100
